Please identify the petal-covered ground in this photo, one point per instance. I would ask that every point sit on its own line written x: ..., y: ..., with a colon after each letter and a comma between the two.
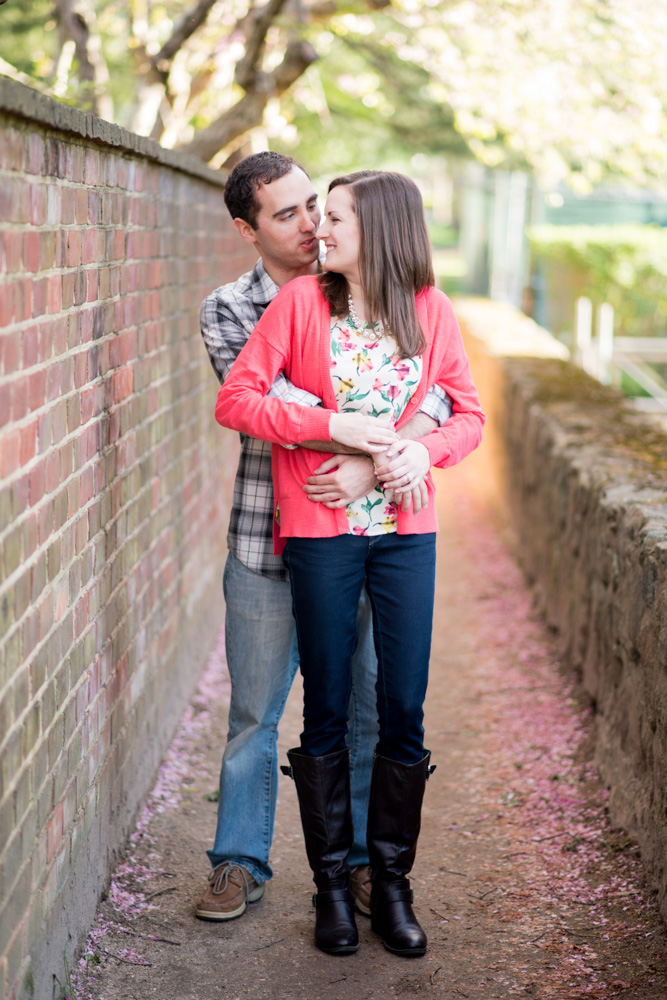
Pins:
x: 522, y: 885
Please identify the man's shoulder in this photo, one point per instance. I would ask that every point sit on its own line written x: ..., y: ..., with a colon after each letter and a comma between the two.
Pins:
x: 235, y: 292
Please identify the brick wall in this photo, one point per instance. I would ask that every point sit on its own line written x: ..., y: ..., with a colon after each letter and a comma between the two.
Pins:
x: 113, y: 499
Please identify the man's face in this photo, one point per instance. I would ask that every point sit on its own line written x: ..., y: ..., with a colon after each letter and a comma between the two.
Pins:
x: 286, y: 223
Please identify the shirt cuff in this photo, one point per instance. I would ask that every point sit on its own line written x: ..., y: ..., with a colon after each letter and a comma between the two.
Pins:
x: 437, y: 405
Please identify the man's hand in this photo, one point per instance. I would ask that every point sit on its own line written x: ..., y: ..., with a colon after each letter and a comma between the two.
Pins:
x: 340, y: 480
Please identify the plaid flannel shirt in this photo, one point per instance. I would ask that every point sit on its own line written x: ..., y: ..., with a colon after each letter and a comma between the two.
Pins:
x: 228, y: 317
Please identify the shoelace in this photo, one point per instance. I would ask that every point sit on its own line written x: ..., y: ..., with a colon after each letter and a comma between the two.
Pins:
x: 220, y: 877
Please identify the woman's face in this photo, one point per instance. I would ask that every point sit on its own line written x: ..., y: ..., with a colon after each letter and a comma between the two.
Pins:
x: 339, y: 230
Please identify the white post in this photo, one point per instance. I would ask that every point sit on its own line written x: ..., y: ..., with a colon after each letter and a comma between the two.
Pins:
x: 582, y: 333
x: 605, y: 342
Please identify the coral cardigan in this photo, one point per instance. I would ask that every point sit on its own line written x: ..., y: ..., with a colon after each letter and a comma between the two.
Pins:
x: 294, y: 335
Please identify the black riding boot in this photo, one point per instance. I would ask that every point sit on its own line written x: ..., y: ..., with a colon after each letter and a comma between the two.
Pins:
x: 394, y: 820
x: 323, y: 788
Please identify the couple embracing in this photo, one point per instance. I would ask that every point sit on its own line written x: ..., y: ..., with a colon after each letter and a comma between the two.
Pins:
x: 332, y: 563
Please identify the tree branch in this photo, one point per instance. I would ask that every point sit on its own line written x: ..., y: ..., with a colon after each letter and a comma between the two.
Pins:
x: 183, y: 30
x: 247, y: 113
x: 74, y: 21
x: 261, y: 19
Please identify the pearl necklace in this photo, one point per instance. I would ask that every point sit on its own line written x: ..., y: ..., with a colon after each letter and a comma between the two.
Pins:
x: 364, y: 329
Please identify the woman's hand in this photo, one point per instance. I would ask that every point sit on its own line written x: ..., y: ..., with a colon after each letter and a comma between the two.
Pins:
x: 417, y: 497
x: 361, y: 432
x: 404, y: 467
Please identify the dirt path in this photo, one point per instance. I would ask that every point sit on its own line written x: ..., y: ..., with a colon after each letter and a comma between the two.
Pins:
x: 522, y: 886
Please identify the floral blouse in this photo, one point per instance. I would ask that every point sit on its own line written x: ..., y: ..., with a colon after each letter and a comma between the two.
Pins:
x: 369, y: 377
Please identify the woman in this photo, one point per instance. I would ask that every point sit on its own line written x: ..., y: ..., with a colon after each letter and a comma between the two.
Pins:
x: 368, y: 337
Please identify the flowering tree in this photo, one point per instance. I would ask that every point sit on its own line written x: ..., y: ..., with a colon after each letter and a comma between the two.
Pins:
x: 574, y: 87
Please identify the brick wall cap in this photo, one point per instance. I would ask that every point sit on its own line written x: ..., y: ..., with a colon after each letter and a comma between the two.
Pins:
x: 24, y: 102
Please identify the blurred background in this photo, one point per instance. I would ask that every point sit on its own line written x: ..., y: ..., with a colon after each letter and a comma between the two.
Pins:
x: 536, y: 130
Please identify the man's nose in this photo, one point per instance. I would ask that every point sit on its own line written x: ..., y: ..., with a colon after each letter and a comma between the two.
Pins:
x: 308, y: 223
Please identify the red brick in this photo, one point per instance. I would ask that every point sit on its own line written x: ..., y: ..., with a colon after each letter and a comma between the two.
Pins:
x: 81, y: 615
x: 53, y: 205
x: 31, y: 241
x: 12, y: 248
x: 30, y: 346
x: 93, y: 282
x: 74, y: 248
x: 68, y: 290
x: 36, y: 480
x: 7, y: 308
x: 91, y: 166
x: 80, y: 370
x: 60, y: 334
x: 85, y: 486
x: 81, y: 207
x: 53, y: 382
x: 47, y: 249
x: 37, y: 204
x: 39, y: 289
x: 45, y: 522
x: 37, y: 389
x: 28, y: 442
x: 10, y: 451
x: 52, y: 472
x: 29, y: 536
x: 10, y: 348
x: 54, y: 833
x: 68, y: 206
x: 122, y: 384
x: 5, y: 408
x: 35, y: 153
x: 59, y: 248
x: 54, y: 294
x: 19, y: 394
x: 89, y: 250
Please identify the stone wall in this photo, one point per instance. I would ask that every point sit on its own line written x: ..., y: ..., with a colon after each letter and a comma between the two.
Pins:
x: 583, y: 481
x: 113, y: 499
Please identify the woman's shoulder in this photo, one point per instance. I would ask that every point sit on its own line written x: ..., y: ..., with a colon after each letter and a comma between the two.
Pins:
x: 433, y: 303
x: 434, y: 298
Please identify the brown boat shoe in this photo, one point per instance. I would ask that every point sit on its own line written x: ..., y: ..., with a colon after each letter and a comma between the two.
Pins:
x: 360, y: 887
x: 230, y: 888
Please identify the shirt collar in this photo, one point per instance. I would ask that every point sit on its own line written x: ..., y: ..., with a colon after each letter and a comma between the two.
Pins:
x: 263, y: 288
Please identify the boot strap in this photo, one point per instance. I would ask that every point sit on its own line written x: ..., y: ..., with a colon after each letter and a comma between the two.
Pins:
x: 332, y: 896
x: 395, y: 894
x: 286, y: 769
x: 429, y: 770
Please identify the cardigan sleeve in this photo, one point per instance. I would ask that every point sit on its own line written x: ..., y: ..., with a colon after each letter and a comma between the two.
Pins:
x: 462, y: 433
x: 243, y: 403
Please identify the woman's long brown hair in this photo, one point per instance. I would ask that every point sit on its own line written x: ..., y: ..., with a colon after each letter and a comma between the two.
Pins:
x: 395, y: 260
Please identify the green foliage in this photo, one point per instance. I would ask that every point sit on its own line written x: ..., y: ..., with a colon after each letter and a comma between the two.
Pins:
x: 361, y: 105
x: 623, y: 265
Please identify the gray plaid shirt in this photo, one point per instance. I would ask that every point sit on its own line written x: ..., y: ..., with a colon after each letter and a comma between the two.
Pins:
x: 228, y: 317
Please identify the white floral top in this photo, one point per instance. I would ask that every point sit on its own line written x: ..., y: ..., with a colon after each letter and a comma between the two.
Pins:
x: 369, y: 377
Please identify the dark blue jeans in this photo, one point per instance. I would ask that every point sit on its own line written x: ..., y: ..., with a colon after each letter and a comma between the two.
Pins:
x: 327, y: 576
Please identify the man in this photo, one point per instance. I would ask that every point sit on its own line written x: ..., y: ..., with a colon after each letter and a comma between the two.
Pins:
x: 274, y: 207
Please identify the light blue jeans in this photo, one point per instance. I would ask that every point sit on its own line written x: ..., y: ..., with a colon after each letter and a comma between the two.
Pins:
x: 262, y: 657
